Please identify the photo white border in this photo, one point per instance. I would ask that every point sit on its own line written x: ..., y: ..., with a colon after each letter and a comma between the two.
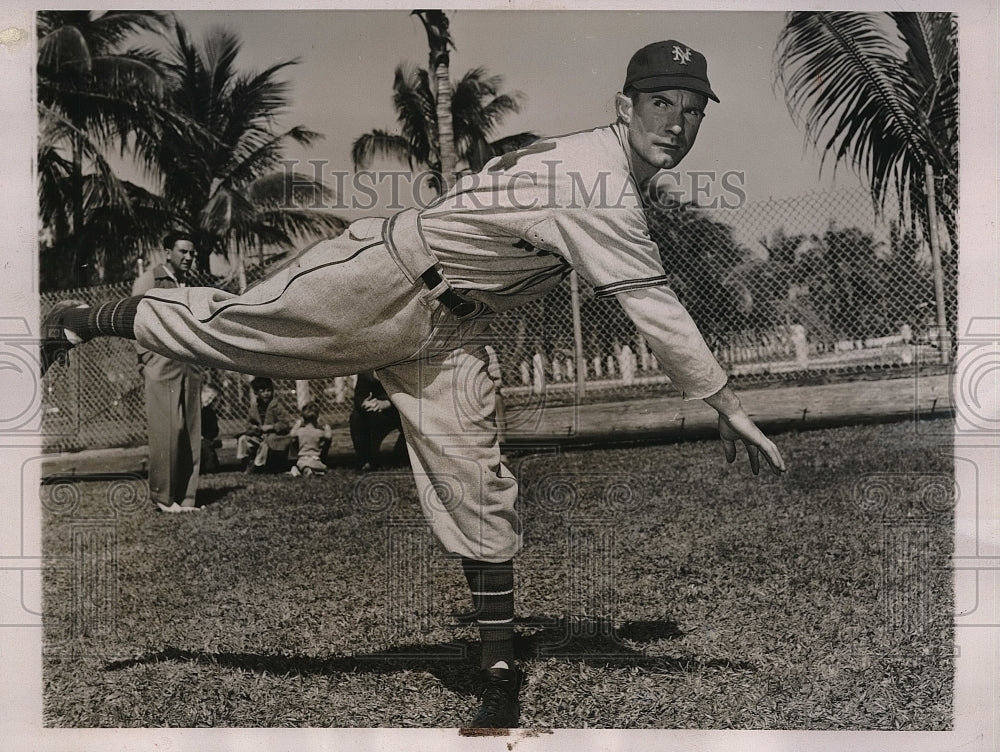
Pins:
x: 978, y: 678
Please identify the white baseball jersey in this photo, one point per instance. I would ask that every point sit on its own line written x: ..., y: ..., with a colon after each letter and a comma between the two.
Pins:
x: 512, y: 232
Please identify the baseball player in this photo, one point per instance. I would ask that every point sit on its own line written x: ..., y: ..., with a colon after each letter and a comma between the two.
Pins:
x: 412, y: 297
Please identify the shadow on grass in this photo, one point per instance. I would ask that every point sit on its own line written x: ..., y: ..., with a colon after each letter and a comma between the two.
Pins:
x: 209, y: 496
x: 589, y: 641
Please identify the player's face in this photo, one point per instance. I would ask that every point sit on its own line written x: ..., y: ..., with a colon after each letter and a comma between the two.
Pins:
x: 662, y: 127
x: 181, y: 255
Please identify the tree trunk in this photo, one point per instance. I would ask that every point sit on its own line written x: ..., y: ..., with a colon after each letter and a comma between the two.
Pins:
x: 446, y: 132
x: 79, y: 266
x: 438, y: 42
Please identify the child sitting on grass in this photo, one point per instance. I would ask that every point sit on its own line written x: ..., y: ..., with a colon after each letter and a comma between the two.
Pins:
x: 265, y: 444
x: 313, y: 442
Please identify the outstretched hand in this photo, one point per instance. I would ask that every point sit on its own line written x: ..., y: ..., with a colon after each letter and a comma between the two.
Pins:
x: 739, y: 427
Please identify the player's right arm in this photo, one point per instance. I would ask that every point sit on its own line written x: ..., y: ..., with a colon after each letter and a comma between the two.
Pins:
x: 735, y: 425
x: 682, y: 352
x: 675, y: 340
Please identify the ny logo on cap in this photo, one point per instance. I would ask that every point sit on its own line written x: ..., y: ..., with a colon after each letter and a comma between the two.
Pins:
x: 682, y: 56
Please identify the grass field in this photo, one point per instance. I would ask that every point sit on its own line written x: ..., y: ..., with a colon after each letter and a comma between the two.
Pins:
x: 659, y: 588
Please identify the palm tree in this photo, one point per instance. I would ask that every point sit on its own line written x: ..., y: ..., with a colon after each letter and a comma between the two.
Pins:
x: 879, y: 91
x: 477, y: 108
x: 223, y: 179
x: 91, y: 95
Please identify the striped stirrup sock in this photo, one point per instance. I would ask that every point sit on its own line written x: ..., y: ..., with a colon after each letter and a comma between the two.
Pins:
x: 114, y: 319
x: 492, y: 587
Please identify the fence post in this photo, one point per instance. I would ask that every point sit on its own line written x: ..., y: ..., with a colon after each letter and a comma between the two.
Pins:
x: 581, y: 362
x: 303, y: 393
x: 944, y: 340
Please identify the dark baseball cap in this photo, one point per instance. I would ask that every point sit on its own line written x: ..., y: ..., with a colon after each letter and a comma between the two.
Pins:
x: 668, y: 65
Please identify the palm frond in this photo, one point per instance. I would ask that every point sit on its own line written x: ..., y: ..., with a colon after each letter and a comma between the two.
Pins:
x: 288, y: 190
x: 416, y: 112
x: 477, y: 105
x: 379, y: 143
x: 122, y: 238
x: 221, y: 47
x: 932, y: 62
x: 47, y: 21
x: 254, y: 102
x: 217, y: 215
x: 300, y: 223
x: 303, y: 136
x: 439, y: 39
x: 844, y: 81
x: 217, y: 149
x: 288, y: 228
x: 130, y: 75
x: 499, y: 107
x: 113, y: 27
x: 277, y: 223
x: 54, y: 197
x: 477, y: 109
x: 878, y: 92
x: 260, y: 151
x: 64, y: 49
x: 489, y: 84
x: 93, y: 97
x: 59, y: 127
x: 152, y: 58
x: 69, y: 39
x: 189, y: 80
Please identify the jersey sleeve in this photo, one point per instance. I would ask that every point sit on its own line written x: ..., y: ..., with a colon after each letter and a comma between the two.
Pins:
x: 611, y: 248
x: 675, y: 340
x: 140, y: 286
x: 620, y: 260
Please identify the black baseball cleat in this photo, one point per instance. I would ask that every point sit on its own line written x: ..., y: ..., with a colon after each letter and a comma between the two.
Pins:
x: 498, y: 694
x: 54, y: 346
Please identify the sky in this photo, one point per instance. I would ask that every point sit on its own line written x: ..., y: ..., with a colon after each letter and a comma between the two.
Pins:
x: 567, y: 64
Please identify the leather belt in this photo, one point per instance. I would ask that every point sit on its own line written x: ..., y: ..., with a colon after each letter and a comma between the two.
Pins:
x: 450, y: 299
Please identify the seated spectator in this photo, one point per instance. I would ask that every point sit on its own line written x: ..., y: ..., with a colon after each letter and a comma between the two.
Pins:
x: 210, y: 441
x: 313, y: 442
x: 266, y: 444
x: 372, y: 419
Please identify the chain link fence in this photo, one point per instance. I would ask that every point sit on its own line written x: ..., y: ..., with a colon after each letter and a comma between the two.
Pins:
x: 783, y: 290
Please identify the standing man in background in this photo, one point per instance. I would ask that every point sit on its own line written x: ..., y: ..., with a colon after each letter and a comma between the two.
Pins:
x: 173, y: 396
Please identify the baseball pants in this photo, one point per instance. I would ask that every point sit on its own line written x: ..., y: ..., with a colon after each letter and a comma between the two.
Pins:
x: 358, y: 302
x: 173, y: 410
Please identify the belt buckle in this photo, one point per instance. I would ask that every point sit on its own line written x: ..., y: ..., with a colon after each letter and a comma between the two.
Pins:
x: 466, y: 309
